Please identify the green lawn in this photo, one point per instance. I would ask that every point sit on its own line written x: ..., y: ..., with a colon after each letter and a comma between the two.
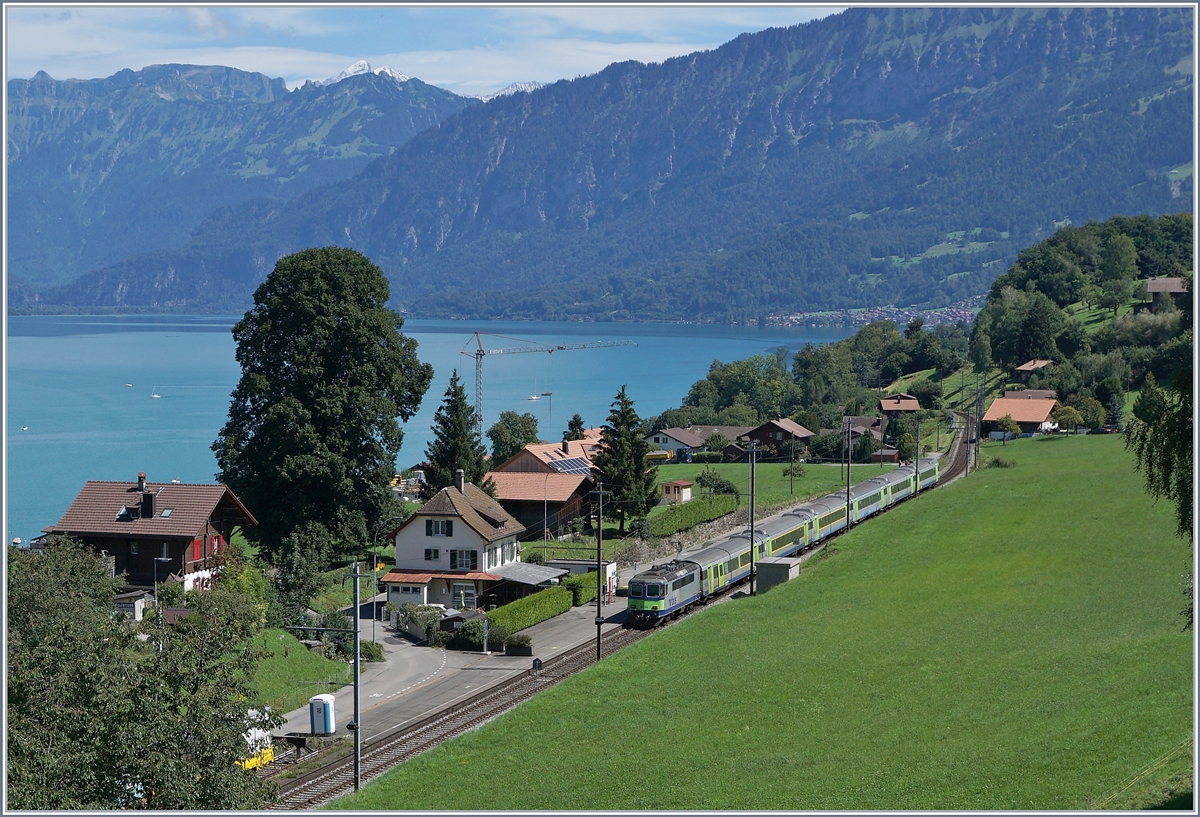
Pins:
x: 291, y: 674
x: 771, y: 487
x: 1010, y: 641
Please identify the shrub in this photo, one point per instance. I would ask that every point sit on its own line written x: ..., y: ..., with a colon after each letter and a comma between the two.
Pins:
x: 711, y: 480
x: 531, y: 556
x: 518, y: 640
x: 998, y: 462
x: 640, y: 527
x: 582, y: 587
x: 708, y: 456
x: 438, y: 638
x: 370, y: 650
x: 522, y: 613
x: 468, y: 637
x: 690, y: 514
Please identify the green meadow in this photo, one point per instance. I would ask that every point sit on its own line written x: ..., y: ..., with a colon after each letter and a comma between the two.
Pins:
x: 1010, y: 641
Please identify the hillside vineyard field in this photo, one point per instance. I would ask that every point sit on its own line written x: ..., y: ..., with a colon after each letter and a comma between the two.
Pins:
x: 1009, y: 641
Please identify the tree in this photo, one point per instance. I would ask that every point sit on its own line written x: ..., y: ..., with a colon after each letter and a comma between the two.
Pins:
x: 1038, y: 330
x: 312, y: 434
x: 1067, y: 416
x: 914, y: 328
x: 1009, y: 426
x: 981, y: 351
x: 715, y: 441
x: 620, y: 462
x: 1114, y: 412
x: 455, y: 443
x: 711, y: 480
x: 1160, y: 437
x: 907, y: 447
x: 511, y: 433
x: 98, y: 719
x: 574, y: 428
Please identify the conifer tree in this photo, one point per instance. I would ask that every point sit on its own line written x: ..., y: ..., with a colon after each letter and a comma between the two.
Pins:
x: 574, y: 428
x: 620, y: 463
x: 455, y: 443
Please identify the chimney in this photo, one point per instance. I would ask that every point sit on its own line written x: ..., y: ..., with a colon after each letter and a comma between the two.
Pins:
x: 458, y: 479
x: 142, y: 481
x: 148, y: 505
x: 566, y: 446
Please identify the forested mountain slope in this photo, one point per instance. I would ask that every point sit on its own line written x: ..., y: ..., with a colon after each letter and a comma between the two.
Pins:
x: 872, y: 157
x: 102, y: 169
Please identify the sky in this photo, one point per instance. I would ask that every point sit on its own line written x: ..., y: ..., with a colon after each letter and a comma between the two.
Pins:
x: 467, y: 50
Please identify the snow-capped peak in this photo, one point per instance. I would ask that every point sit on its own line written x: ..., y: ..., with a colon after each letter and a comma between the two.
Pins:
x: 394, y: 74
x: 364, y: 67
x: 515, y: 88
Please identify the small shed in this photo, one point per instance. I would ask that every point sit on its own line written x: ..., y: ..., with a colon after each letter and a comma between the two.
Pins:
x: 886, y: 454
x: 1026, y: 369
x: 676, y: 491
x: 895, y: 405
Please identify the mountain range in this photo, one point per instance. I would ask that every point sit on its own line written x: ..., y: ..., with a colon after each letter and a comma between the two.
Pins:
x: 877, y: 156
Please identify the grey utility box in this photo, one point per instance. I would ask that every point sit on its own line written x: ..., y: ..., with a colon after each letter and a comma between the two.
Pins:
x: 776, y: 570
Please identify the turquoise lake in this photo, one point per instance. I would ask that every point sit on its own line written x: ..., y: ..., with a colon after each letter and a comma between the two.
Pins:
x: 71, y: 417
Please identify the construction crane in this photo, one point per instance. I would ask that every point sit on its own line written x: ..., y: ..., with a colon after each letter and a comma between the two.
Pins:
x: 480, y: 352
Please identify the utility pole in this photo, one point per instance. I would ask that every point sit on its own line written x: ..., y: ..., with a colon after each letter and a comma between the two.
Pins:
x: 599, y: 492
x: 753, y: 544
x: 846, y: 420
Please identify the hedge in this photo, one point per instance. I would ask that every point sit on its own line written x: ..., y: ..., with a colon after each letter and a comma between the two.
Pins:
x: 522, y: 613
x: 582, y: 587
x: 689, y: 514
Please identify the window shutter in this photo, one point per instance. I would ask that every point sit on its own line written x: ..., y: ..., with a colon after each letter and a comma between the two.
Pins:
x: 429, y: 527
x: 449, y: 527
x: 197, y: 549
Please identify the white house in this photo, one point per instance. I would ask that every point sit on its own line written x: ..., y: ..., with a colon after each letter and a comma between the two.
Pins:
x: 448, y: 552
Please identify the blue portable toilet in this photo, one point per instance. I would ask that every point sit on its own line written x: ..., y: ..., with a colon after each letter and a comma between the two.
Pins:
x: 320, y: 714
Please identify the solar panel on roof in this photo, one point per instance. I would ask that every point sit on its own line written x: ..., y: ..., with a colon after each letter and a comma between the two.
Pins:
x: 571, y: 465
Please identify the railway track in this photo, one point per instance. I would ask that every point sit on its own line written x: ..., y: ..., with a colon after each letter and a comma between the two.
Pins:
x: 336, y: 779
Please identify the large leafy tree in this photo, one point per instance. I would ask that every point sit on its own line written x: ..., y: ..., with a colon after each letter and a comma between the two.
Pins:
x: 455, y: 443
x: 620, y: 463
x: 312, y: 435
x: 98, y: 719
x: 511, y: 433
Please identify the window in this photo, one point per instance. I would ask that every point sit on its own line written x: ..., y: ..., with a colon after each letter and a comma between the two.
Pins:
x: 166, y: 512
x: 654, y: 591
x: 433, y: 554
x: 464, y: 560
x: 165, y: 550
x: 745, y: 560
x: 439, y: 527
x: 133, y: 548
x: 635, y: 590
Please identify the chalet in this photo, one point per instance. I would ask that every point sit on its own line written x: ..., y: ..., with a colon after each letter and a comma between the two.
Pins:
x: 567, y: 457
x: 152, y: 531
x: 1175, y: 287
x: 775, y: 433
x: 542, y: 501
x: 1031, y: 415
x: 895, y: 405
x: 693, y: 438
x: 458, y: 546
x: 875, y: 426
x: 1028, y: 368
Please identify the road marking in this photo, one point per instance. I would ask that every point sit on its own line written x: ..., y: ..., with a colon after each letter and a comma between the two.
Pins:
x: 422, y: 681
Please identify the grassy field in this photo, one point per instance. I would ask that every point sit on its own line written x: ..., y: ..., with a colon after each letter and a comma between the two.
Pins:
x: 1010, y: 641
x: 291, y: 674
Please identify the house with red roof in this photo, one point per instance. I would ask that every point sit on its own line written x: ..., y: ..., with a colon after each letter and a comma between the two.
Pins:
x: 155, y: 530
x: 1032, y: 415
x: 542, y: 501
x: 895, y: 405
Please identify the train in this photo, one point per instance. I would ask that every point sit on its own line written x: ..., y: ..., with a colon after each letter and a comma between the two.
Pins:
x: 696, y: 575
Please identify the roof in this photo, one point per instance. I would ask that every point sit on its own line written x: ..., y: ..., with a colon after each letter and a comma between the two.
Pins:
x: 790, y: 426
x: 402, y: 576
x: 96, y: 508
x: 1032, y: 394
x: 551, y: 452
x: 1023, y: 411
x: 695, y: 436
x: 528, y: 573
x: 527, y: 486
x: 682, y: 483
x: 899, y: 402
x: 1171, y: 285
x: 480, y: 512
x: 1033, y: 365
